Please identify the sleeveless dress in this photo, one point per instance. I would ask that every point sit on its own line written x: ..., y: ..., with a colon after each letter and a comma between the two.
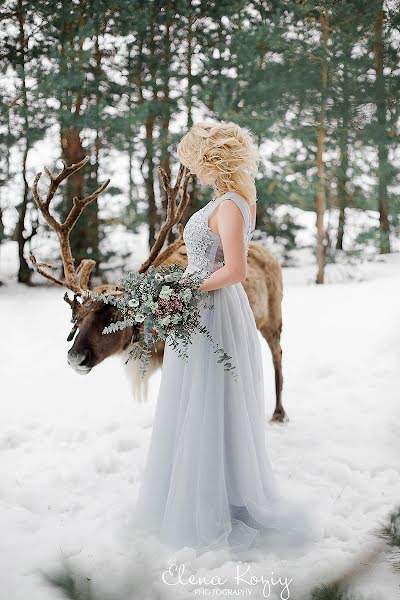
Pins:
x: 208, y: 482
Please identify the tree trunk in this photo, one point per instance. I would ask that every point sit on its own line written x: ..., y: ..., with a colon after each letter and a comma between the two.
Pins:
x: 24, y: 272
x: 131, y: 78
x: 320, y: 195
x: 149, y: 142
x: 342, y: 190
x: 93, y: 215
x: 135, y: 70
x: 165, y: 161
x: 73, y: 152
x: 384, y: 224
x: 149, y: 179
x: 189, y: 95
x: 84, y: 235
x: 344, y: 164
x: 192, y: 189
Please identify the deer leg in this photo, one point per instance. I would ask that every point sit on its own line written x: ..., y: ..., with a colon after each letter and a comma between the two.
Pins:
x: 279, y: 412
x: 274, y: 343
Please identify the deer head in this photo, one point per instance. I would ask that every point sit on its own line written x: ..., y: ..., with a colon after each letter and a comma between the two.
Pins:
x: 89, y: 317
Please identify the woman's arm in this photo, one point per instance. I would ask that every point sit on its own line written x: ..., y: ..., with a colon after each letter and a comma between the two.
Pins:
x: 231, y: 231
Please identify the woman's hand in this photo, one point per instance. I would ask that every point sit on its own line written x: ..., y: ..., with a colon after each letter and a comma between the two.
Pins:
x: 199, y: 286
x: 187, y: 282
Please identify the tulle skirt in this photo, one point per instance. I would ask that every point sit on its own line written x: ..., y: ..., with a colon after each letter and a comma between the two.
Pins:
x: 208, y: 481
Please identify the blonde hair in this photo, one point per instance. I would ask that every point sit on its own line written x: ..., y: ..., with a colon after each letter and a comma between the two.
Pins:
x: 225, y: 151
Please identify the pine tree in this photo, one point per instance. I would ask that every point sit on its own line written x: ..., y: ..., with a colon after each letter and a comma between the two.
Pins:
x: 20, y: 50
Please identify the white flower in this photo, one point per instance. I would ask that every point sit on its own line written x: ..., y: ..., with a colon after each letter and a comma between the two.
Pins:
x: 140, y: 317
x: 158, y: 277
x: 172, y: 277
x: 133, y: 303
x: 186, y: 294
x: 166, y: 292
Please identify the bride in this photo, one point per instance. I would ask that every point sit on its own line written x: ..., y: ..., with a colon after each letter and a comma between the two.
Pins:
x: 208, y: 481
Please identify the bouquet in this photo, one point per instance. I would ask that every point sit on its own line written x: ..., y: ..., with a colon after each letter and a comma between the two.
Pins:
x: 162, y: 305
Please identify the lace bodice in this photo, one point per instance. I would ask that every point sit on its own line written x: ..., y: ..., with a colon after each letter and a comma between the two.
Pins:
x: 204, y: 247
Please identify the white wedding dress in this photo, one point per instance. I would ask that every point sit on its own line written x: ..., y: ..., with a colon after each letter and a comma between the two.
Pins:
x: 208, y: 482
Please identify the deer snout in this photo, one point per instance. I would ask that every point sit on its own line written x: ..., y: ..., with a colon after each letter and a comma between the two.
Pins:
x: 79, y: 360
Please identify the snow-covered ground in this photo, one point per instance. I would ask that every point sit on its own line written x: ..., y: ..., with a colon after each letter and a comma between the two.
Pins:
x: 73, y: 448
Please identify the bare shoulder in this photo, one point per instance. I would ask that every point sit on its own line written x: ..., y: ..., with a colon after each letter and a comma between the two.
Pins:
x: 228, y: 204
x: 230, y: 208
x: 232, y: 213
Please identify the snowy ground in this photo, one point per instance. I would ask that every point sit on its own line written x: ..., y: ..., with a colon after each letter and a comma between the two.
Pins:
x: 73, y: 448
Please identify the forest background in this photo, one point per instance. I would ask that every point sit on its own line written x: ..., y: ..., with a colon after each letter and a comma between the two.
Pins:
x: 120, y: 82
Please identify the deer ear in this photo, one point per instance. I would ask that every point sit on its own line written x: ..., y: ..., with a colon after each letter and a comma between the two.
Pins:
x: 72, y: 333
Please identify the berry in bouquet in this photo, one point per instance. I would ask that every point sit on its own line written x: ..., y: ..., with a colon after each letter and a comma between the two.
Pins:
x: 163, y: 305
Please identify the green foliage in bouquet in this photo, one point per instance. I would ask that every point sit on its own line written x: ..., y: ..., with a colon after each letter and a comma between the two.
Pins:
x: 163, y: 306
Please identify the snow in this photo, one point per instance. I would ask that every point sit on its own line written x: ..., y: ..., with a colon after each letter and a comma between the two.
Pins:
x: 73, y: 447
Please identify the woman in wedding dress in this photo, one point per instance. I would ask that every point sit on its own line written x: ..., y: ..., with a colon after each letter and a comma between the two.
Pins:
x: 208, y: 482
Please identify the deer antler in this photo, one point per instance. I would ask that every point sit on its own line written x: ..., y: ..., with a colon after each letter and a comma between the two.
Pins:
x: 156, y: 256
x: 174, y: 215
x: 63, y: 229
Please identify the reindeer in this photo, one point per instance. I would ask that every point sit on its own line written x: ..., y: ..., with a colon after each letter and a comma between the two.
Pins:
x: 263, y: 286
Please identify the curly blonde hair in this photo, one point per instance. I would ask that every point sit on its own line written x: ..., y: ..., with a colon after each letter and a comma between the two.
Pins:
x: 226, y: 151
